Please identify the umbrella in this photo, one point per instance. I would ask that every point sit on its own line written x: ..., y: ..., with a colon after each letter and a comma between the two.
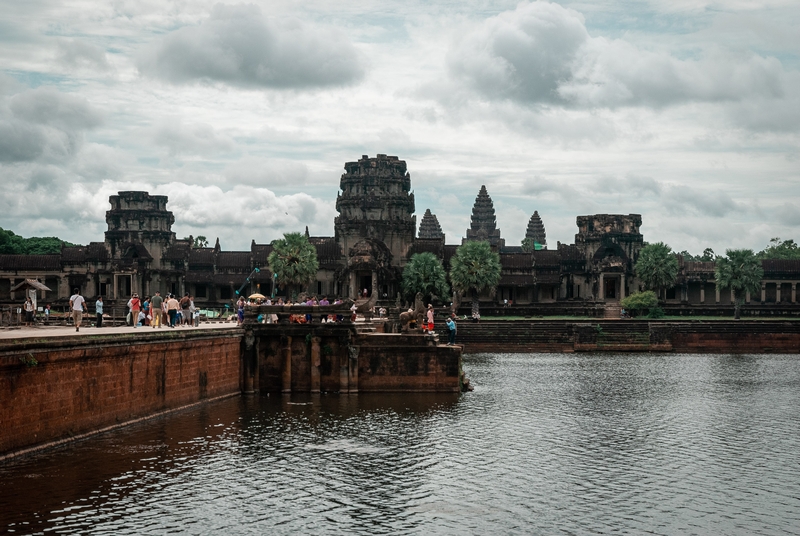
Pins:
x: 256, y: 297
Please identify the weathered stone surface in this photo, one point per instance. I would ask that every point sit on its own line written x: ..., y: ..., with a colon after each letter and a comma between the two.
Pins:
x: 483, y: 224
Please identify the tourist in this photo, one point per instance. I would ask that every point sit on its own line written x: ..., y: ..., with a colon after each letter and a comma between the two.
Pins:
x: 77, y: 304
x: 136, y: 306
x: 430, y: 318
x: 323, y: 302
x: 172, y: 310
x: 164, y: 311
x: 155, y: 310
x: 98, y: 311
x: 451, y: 326
x: 47, y: 313
x: 146, y: 311
x: 186, y: 319
x: 28, y: 308
x: 353, y: 310
x: 194, y: 316
x: 476, y: 317
x: 240, y: 311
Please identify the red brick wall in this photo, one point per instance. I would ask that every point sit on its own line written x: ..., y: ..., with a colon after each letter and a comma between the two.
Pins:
x: 80, y: 385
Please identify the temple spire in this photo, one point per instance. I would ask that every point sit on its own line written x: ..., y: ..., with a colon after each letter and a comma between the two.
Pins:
x: 483, y: 223
x: 429, y: 227
x: 536, y: 230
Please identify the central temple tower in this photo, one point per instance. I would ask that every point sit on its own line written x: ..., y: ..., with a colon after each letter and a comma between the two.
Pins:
x: 376, y: 225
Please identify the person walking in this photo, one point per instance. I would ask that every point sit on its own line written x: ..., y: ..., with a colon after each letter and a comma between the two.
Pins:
x: 98, y: 311
x: 451, y: 326
x: 28, y: 308
x: 429, y: 314
x: 76, y: 306
x: 186, y: 318
x: 146, y: 311
x: 193, y: 316
x: 172, y: 310
x: 240, y: 311
x: 155, y: 310
x: 136, y: 306
x: 47, y: 314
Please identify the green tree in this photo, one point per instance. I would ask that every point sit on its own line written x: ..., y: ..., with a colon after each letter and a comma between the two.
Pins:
x: 13, y: 244
x: 780, y: 249
x: 657, y: 267
x: 294, y: 260
x: 708, y: 255
x: 198, y: 241
x: 475, y: 267
x: 638, y: 302
x: 740, y: 270
x: 424, y: 273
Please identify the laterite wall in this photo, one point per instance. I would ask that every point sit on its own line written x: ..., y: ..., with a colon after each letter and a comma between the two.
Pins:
x: 83, y: 384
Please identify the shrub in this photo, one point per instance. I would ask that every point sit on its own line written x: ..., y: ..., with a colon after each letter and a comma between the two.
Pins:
x: 638, y: 302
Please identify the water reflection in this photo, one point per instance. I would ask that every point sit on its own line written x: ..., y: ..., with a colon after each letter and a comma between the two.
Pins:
x: 545, y: 444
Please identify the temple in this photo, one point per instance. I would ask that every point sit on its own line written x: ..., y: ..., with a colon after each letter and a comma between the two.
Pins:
x: 375, y: 235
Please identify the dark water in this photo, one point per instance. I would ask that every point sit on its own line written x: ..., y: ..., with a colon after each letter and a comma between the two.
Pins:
x: 547, y: 444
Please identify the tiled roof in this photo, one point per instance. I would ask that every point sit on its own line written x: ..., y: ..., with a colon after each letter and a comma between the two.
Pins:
x: 260, y: 254
x: 202, y: 256
x: 781, y: 266
x: 547, y: 257
x: 30, y: 262
x: 548, y: 278
x: 516, y: 261
x: 423, y: 245
x: 697, y: 266
x: 178, y: 251
x: 517, y: 280
x: 233, y: 259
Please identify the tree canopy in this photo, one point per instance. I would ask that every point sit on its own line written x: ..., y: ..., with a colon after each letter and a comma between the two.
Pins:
x: 13, y: 244
x: 294, y: 260
x: 199, y: 241
x: 473, y: 268
x: 657, y: 266
x: 638, y: 302
x: 780, y: 249
x: 424, y: 273
x: 740, y: 270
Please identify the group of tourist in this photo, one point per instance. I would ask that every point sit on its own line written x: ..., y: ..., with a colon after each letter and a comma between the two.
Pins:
x: 298, y: 318
x: 428, y: 325
x: 157, y: 311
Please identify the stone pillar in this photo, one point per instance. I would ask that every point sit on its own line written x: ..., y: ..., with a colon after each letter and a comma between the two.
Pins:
x: 702, y: 292
x: 747, y: 297
x: 763, y: 291
x: 716, y: 288
x: 353, y: 290
x: 778, y: 292
x: 344, y: 370
x: 794, y: 292
x: 622, y: 287
x: 601, y: 287
x: 315, y: 364
x: 286, y: 377
x: 248, y: 363
x: 353, y: 369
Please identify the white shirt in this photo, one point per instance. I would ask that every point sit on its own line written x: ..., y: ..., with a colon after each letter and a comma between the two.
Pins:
x: 77, y: 302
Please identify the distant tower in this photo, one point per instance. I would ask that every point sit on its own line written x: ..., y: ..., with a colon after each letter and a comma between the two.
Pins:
x: 484, y: 224
x: 376, y: 204
x: 429, y: 227
x: 140, y: 225
x: 536, y: 230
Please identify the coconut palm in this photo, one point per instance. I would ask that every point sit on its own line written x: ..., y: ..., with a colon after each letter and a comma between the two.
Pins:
x: 741, y: 271
x: 293, y: 260
x: 474, y: 268
x: 424, y: 273
x: 657, y: 267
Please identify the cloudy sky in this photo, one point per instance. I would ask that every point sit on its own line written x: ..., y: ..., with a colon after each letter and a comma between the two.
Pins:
x: 685, y: 111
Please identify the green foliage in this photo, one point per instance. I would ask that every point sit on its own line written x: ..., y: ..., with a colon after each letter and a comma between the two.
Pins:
x: 527, y: 245
x: 780, y: 249
x: 198, y: 242
x: 657, y: 266
x: 13, y: 244
x: 473, y: 268
x: 424, y: 273
x: 707, y: 256
x: 294, y: 260
x: 638, y: 302
x: 656, y: 312
x: 28, y: 360
x: 741, y: 271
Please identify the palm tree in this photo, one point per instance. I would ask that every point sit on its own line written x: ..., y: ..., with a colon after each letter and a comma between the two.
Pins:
x: 473, y: 268
x: 293, y: 260
x: 740, y: 270
x: 657, y: 267
x: 424, y: 273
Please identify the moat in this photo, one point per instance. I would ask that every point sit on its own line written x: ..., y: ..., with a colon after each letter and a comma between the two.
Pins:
x: 547, y: 443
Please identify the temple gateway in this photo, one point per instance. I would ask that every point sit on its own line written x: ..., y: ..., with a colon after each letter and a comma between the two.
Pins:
x: 375, y: 234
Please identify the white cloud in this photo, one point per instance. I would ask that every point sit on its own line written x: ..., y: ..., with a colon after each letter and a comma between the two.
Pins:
x: 44, y: 124
x: 178, y: 137
x: 80, y: 54
x: 237, y: 45
x: 542, y: 53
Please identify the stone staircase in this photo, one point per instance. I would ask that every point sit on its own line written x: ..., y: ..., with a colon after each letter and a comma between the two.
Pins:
x: 612, y: 311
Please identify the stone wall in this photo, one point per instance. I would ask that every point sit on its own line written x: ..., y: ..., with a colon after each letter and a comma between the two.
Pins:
x: 334, y: 358
x: 747, y: 336
x: 83, y: 384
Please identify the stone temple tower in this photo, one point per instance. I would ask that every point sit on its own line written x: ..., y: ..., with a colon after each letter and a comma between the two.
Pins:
x: 139, y: 227
x: 429, y: 228
x: 376, y: 204
x: 483, y: 223
x: 536, y: 230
